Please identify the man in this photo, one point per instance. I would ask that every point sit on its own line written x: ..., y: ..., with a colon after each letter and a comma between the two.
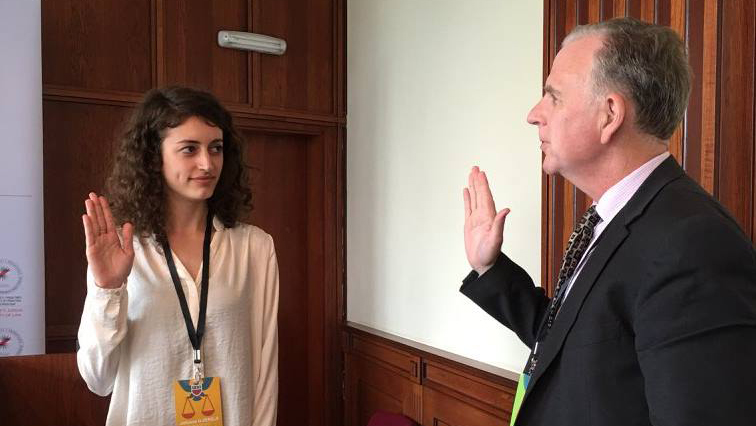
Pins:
x: 653, y: 320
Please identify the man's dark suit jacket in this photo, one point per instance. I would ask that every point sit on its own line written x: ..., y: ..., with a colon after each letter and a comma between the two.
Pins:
x: 659, y: 328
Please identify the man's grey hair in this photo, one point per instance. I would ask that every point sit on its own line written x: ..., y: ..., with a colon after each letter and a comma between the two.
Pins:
x: 648, y: 64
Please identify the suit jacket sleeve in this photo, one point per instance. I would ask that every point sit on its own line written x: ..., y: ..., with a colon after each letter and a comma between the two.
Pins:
x: 507, y: 293
x: 695, y: 325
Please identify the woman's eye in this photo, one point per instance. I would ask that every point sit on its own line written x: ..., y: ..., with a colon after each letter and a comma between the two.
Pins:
x: 216, y: 148
x: 188, y: 149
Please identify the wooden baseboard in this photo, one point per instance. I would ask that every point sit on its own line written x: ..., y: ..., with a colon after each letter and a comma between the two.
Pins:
x: 432, y: 387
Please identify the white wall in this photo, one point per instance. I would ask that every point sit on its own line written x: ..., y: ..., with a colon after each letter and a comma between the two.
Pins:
x: 435, y: 87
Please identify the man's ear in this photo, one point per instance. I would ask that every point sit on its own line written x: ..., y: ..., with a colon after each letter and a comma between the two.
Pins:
x: 614, y: 111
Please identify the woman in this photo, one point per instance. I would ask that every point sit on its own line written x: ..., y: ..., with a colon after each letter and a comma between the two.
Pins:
x: 179, y: 186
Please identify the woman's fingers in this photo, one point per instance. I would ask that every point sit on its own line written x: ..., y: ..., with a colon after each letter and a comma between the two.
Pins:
x: 92, y: 215
x: 109, y: 223
x: 88, y: 231
x: 128, y: 241
x: 100, y: 214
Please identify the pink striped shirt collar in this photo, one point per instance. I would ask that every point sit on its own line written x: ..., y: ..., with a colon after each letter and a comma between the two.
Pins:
x: 620, y: 193
x: 612, y: 202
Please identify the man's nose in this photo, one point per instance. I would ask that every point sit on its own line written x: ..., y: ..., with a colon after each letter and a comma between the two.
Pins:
x: 534, y: 116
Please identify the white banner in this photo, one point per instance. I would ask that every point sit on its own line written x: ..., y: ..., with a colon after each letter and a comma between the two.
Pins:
x: 22, y: 275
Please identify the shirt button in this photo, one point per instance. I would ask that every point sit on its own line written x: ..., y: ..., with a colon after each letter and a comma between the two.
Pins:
x: 118, y: 293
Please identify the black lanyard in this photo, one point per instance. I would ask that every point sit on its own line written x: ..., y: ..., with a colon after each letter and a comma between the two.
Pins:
x: 557, y: 301
x: 194, y: 336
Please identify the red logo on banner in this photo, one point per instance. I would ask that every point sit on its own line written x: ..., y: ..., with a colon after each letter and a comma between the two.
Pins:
x: 10, y: 276
x: 10, y: 342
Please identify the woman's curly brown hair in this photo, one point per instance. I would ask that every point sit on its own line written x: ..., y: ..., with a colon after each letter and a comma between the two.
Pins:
x: 136, y: 187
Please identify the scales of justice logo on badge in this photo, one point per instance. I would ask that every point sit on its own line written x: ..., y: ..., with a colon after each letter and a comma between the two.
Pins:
x: 199, y: 402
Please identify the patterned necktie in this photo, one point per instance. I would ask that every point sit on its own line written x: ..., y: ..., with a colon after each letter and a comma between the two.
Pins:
x: 576, y: 247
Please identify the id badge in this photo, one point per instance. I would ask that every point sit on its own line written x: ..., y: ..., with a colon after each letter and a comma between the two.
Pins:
x: 198, y: 402
x: 522, y: 385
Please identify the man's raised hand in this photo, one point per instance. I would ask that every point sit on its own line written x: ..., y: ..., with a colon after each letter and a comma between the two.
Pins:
x: 484, y: 227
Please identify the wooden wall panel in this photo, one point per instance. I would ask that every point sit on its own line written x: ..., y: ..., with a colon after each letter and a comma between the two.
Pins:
x: 47, y: 390
x: 473, y: 390
x: 79, y: 37
x: 678, y: 16
x: 715, y: 143
x: 371, y: 385
x: 334, y: 248
x: 736, y: 111
x: 315, y: 355
x: 192, y: 26
x: 620, y: 8
x: 440, y: 409
x: 394, y: 359
x: 293, y: 178
x: 692, y: 121
x: 279, y: 172
x: 663, y: 12
x: 376, y: 389
x: 300, y: 80
x: 79, y: 140
x: 594, y: 11
x: 708, y: 78
x: 382, y: 374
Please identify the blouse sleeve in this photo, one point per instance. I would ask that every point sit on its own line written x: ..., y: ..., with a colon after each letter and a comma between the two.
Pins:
x: 103, y: 327
x: 266, y: 389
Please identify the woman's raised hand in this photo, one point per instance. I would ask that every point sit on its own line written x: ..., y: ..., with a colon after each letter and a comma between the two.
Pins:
x: 484, y: 227
x: 109, y: 260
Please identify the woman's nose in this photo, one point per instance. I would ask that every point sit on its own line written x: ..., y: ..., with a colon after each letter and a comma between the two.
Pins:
x: 203, y: 161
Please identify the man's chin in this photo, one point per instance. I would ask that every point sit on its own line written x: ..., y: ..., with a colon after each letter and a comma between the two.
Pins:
x: 548, y: 168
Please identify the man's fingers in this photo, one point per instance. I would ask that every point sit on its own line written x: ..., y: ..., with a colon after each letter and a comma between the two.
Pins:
x: 466, y: 197
x: 471, y: 187
x: 500, y: 219
x: 485, y: 199
x: 88, y: 231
